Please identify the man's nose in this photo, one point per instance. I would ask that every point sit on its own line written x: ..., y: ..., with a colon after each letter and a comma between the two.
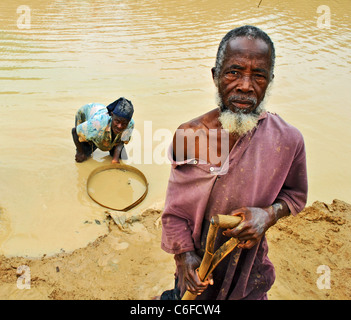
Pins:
x: 245, y: 84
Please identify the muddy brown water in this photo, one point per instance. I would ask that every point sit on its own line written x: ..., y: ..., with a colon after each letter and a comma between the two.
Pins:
x: 158, y: 55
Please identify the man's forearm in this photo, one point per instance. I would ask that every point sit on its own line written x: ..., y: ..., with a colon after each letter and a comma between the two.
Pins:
x: 280, y: 209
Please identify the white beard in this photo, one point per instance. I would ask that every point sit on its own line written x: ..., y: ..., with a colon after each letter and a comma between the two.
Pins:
x: 239, y: 122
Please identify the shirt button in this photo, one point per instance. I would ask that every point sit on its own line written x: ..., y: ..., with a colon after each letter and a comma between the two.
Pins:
x: 211, y: 169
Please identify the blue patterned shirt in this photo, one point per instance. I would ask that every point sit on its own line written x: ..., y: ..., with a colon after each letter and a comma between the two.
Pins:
x: 93, y: 124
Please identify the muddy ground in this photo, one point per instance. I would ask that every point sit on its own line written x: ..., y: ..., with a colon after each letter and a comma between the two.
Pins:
x: 311, y: 254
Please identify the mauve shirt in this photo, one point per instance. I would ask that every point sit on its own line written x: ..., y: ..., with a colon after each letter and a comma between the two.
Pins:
x: 267, y: 164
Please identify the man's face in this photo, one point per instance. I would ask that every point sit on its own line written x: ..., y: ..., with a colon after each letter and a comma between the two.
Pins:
x: 118, y: 124
x: 245, y: 74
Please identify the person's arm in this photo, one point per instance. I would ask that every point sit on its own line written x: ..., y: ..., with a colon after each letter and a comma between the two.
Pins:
x: 279, y: 209
x: 117, y: 152
x: 255, y: 222
x: 80, y: 155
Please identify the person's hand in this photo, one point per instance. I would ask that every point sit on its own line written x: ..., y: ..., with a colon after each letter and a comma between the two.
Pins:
x: 189, y: 278
x: 80, y: 157
x: 255, y: 222
x: 115, y: 160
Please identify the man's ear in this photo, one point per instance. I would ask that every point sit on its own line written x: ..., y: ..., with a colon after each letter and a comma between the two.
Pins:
x: 213, y: 72
x: 215, y: 79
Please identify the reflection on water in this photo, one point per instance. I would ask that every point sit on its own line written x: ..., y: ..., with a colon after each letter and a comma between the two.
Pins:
x: 159, y: 55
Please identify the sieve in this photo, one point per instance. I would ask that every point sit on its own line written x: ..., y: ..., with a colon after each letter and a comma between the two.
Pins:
x: 123, y: 167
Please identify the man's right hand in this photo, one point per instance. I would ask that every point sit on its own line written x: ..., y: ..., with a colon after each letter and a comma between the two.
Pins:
x: 188, y: 277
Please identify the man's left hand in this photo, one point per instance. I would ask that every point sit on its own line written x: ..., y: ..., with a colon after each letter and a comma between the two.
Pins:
x: 255, y: 222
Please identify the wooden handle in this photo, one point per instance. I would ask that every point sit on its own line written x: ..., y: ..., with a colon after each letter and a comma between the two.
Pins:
x: 218, y: 221
x: 225, y: 221
x: 189, y: 296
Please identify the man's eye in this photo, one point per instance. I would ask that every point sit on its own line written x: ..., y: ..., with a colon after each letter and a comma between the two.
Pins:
x: 260, y: 77
x: 231, y: 74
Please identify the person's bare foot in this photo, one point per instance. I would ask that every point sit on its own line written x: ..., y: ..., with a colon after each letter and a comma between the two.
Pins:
x: 80, y: 157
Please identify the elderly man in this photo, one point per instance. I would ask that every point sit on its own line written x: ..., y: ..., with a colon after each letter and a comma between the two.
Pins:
x: 260, y: 175
x: 107, y: 128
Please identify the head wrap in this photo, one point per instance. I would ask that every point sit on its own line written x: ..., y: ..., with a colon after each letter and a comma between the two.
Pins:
x: 121, y: 108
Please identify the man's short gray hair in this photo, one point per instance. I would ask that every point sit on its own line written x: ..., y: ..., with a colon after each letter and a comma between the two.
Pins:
x: 248, y: 32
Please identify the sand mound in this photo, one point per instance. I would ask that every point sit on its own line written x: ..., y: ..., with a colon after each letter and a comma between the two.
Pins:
x: 306, y: 249
x: 128, y: 263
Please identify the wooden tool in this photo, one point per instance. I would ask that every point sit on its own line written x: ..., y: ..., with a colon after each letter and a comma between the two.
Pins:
x: 211, y: 259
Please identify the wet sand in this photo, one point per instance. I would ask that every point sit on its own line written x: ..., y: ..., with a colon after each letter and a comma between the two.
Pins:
x: 128, y: 264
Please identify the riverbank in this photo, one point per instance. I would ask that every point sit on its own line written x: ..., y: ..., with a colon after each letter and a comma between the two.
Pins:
x: 128, y: 264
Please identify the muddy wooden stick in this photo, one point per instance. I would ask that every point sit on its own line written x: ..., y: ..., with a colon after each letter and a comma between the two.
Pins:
x: 210, y: 259
x: 226, y: 222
